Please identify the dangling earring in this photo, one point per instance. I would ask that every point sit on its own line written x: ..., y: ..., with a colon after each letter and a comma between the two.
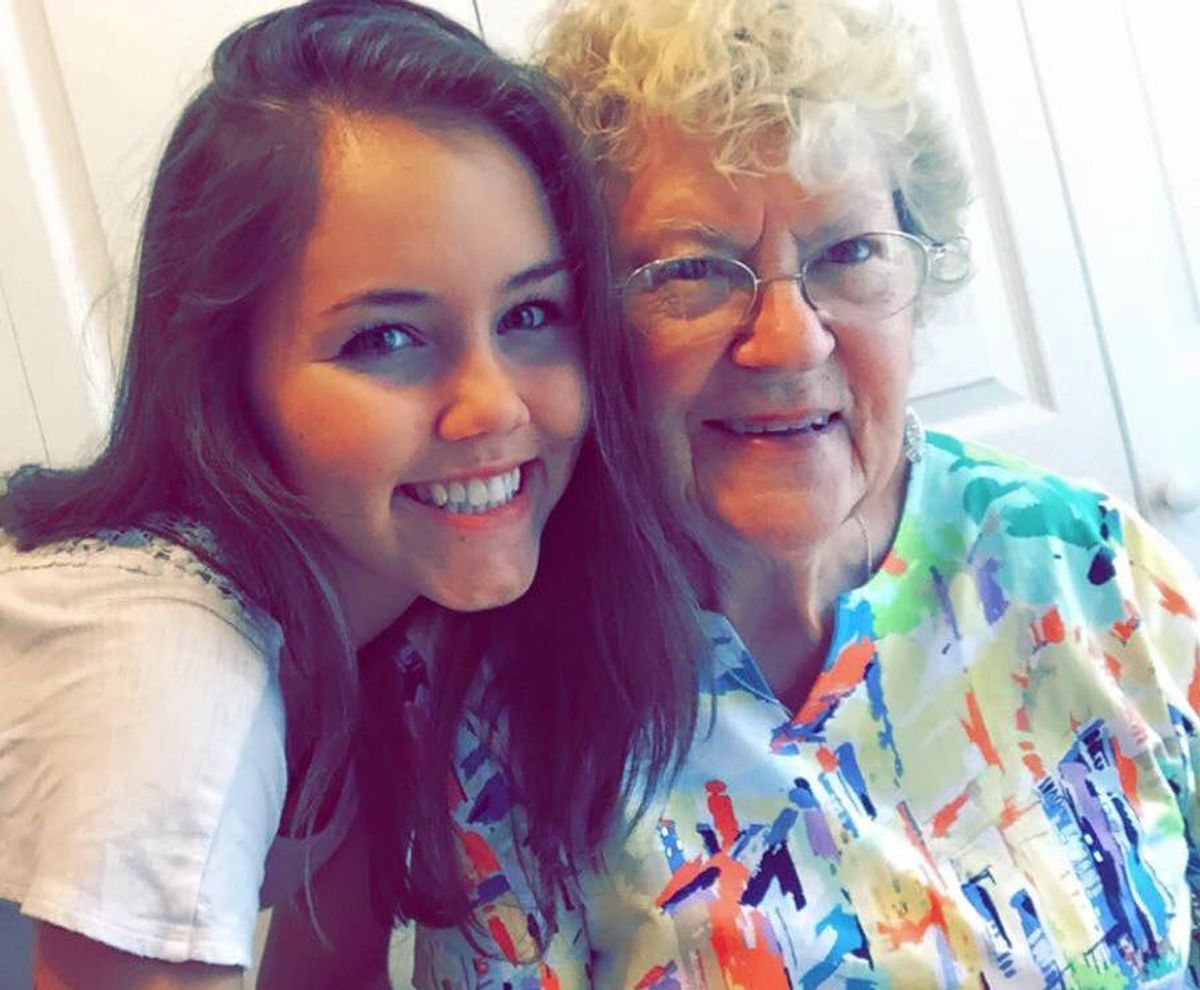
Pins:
x: 914, y: 436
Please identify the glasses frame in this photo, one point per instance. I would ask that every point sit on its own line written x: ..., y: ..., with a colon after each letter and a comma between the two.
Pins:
x: 932, y: 252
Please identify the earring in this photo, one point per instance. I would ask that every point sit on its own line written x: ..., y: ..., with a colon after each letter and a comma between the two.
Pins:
x: 914, y: 436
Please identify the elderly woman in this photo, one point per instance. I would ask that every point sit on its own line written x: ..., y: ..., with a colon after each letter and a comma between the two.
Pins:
x: 952, y: 741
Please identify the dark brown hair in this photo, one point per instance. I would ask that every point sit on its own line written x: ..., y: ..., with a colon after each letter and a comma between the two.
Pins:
x: 593, y: 669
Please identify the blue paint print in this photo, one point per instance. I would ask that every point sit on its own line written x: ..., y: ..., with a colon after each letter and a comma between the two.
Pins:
x: 849, y: 940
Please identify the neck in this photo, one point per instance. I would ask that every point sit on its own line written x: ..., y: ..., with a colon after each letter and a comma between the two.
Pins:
x: 784, y: 604
x: 369, y: 605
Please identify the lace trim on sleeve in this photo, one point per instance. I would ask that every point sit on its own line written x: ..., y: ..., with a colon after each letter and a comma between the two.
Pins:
x: 161, y: 547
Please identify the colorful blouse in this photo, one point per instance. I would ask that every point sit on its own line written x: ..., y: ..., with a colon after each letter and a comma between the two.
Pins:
x: 991, y: 784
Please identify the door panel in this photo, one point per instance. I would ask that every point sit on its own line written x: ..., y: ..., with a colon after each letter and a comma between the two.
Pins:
x: 1126, y: 187
x: 21, y: 439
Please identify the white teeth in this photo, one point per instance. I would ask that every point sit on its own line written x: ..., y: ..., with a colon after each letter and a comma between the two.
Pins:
x: 757, y: 427
x: 474, y: 496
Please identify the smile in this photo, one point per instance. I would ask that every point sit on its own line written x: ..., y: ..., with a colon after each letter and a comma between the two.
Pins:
x: 468, y: 496
x: 816, y: 423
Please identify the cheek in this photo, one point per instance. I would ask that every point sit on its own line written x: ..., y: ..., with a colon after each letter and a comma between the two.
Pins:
x: 879, y: 380
x: 559, y: 402
x: 334, y: 427
x: 674, y: 374
x: 878, y: 371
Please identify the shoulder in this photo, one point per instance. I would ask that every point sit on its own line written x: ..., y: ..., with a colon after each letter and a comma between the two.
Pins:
x: 967, y: 502
x: 1032, y: 536
x: 142, y: 764
x: 88, y: 577
x: 1001, y: 530
x: 982, y: 486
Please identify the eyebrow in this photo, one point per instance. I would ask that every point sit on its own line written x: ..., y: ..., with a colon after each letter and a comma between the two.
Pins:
x: 689, y: 227
x: 411, y: 297
x: 536, y: 273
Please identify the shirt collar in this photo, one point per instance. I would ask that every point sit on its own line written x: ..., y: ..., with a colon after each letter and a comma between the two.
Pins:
x: 730, y: 663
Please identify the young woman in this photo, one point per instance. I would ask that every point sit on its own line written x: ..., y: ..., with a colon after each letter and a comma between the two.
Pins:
x: 366, y: 385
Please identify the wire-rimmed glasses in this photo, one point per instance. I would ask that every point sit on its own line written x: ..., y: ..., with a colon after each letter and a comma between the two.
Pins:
x: 860, y: 279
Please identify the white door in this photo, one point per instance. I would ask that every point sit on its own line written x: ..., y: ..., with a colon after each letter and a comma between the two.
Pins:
x: 22, y: 439
x: 1121, y: 108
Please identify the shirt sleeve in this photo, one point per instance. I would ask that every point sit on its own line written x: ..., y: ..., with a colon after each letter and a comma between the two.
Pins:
x: 142, y: 767
x: 1157, y: 648
x: 513, y: 946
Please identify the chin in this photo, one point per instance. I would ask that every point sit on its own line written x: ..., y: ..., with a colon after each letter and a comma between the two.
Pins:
x: 478, y: 598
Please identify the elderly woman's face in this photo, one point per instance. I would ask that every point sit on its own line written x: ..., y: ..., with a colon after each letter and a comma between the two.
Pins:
x: 778, y: 427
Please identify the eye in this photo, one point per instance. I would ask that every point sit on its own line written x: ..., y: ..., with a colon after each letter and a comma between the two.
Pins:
x: 535, y: 314
x: 852, y: 251
x: 682, y: 270
x: 379, y: 341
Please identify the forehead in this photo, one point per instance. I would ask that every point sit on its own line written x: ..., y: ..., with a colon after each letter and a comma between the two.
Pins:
x: 674, y: 191
x: 447, y: 214
x: 383, y: 167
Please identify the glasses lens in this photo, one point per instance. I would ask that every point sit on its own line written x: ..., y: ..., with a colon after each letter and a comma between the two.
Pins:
x: 677, y: 291
x: 870, y: 276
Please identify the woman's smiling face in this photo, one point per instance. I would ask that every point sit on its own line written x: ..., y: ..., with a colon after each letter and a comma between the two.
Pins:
x: 777, y: 430
x: 422, y: 380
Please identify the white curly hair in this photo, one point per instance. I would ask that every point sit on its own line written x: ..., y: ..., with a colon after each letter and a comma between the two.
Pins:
x: 825, y: 73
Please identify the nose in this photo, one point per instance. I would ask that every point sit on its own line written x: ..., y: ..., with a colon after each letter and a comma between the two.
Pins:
x: 484, y: 398
x: 784, y: 331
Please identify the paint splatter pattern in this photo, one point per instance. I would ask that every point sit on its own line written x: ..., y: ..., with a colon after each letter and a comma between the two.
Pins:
x: 992, y: 783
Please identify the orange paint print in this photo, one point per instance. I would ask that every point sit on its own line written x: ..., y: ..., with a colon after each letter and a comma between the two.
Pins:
x: 748, y: 963
x: 977, y: 732
x: 1049, y: 630
x: 1114, y: 666
x: 651, y: 977
x: 547, y: 978
x: 837, y: 681
x: 1194, y: 687
x: 1124, y: 629
x: 947, y: 815
x: 894, y: 565
x: 1010, y: 813
x: 721, y: 809
x: 1022, y: 719
x: 480, y: 858
x: 500, y: 935
x: 1033, y: 763
x: 1173, y: 601
x: 913, y: 931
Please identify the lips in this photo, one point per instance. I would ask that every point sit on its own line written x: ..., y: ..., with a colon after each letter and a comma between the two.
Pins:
x: 769, y: 427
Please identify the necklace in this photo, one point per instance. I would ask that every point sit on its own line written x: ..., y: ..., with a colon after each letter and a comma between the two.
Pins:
x: 868, y: 556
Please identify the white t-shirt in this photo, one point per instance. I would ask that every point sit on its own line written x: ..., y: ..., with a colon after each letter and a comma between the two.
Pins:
x: 142, y: 766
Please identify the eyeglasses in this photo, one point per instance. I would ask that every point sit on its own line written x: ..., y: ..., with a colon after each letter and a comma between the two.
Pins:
x: 867, y: 277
